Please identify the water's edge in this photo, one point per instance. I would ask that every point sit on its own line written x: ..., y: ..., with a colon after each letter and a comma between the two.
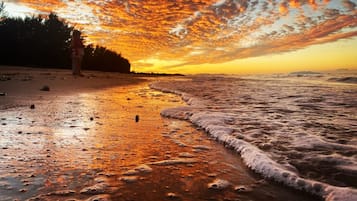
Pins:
x: 252, y: 156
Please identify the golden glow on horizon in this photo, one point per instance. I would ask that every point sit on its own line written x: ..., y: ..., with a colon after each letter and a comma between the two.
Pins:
x: 332, y: 56
x: 217, y: 36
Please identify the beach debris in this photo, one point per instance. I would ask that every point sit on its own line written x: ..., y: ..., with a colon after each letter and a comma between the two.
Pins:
x: 242, y: 189
x: 32, y: 106
x: 45, y: 88
x: 3, y: 94
x: 172, y: 195
x: 219, y: 184
x: 265, y: 146
x: 24, y: 190
x: 91, y: 118
x: 95, y: 189
x: 129, y: 179
x: 136, y: 118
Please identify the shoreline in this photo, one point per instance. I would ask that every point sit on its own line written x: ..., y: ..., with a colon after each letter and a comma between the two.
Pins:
x: 216, y: 118
x: 85, y: 144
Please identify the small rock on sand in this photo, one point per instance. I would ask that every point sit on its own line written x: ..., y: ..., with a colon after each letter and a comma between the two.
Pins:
x: 242, y: 189
x: 172, y: 195
x: 129, y: 179
x: 95, y: 189
x: 219, y: 184
x: 45, y: 88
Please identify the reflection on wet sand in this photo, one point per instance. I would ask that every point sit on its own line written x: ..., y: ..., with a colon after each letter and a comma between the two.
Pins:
x: 89, y: 146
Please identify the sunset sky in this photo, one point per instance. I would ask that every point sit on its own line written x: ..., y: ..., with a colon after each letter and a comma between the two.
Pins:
x: 214, y: 36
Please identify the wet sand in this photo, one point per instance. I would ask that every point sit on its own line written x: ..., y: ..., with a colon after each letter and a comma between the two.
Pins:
x: 101, y: 137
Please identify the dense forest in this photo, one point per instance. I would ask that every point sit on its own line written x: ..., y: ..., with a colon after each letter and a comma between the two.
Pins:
x: 45, y: 42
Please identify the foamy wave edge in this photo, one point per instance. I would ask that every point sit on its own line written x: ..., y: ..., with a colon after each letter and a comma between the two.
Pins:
x: 252, y: 156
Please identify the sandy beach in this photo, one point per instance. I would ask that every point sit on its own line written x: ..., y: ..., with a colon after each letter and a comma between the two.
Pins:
x: 101, y: 137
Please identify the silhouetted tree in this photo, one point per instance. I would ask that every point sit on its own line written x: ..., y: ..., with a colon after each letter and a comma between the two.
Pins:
x: 34, y: 41
x: 45, y: 42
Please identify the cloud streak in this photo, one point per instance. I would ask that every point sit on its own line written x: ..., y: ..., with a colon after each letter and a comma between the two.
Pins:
x: 206, y: 31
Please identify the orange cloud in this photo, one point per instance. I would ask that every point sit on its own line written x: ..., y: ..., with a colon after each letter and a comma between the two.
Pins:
x: 283, y: 9
x: 294, y: 3
x: 46, y: 6
x: 313, y: 4
x: 205, y: 31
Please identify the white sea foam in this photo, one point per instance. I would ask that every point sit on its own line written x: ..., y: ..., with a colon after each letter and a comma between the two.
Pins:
x: 290, y: 130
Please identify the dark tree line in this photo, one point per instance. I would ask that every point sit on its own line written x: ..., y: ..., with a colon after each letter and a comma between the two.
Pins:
x: 96, y: 58
x: 45, y: 42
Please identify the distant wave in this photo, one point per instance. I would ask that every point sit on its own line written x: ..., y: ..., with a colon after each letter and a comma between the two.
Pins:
x: 305, y: 74
x: 350, y: 80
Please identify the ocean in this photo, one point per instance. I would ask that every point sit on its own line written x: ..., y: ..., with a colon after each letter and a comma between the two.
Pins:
x: 298, y: 129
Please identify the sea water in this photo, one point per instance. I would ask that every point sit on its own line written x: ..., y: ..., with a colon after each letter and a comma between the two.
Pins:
x: 298, y: 129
